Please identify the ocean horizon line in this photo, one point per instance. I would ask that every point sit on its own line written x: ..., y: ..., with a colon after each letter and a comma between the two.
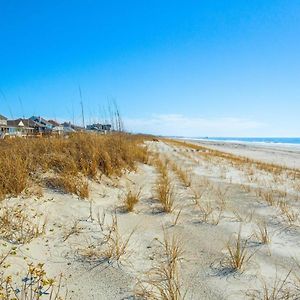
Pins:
x: 263, y: 140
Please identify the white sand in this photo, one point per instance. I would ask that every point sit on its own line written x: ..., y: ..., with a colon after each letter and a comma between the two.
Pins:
x: 204, y: 273
x: 286, y: 155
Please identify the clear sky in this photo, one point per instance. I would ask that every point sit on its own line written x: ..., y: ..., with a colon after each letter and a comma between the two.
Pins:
x: 193, y: 68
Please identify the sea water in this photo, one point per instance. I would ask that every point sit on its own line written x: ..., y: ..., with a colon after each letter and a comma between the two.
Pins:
x: 269, y: 140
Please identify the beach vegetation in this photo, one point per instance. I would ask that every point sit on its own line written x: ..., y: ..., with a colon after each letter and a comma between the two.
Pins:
x: 163, y: 280
x: 238, y: 255
x: 64, y: 161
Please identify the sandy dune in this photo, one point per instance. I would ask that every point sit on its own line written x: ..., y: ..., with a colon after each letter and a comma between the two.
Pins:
x: 240, y: 198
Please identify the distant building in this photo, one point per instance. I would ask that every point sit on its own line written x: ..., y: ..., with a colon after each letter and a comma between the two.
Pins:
x: 3, y: 126
x: 102, y: 128
x: 20, y: 127
x: 38, y: 126
x: 42, y: 124
x: 57, y: 128
x: 68, y: 126
x: 3, y: 121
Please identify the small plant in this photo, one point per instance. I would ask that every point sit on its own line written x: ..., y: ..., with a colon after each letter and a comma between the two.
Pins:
x: 3, y: 266
x: 267, y: 196
x: 279, y: 289
x: 18, y: 227
x: 131, y: 199
x: 163, y: 280
x: 185, y: 177
x: 243, y: 216
x: 238, y: 255
x: 237, y: 215
x: 221, y: 195
x: 198, y: 193
x: 262, y: 234
x: 209, y: 214
x: 35, y: 285
x: 289, y: 214
x: 110, y: 247
x: 74, y: 230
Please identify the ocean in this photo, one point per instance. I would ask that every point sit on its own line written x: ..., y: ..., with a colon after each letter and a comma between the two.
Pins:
x: 268, y: 140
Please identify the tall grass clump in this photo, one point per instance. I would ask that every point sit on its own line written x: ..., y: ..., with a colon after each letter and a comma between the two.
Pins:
x: 163, y: 188
x: 131, y: 198
x: 164, y: 193
x: 289, y: 214
x: 67, y: 159
x: 163, y: 279
x: 14, y: 173
x: 238, y: 255
x: 262, y: 233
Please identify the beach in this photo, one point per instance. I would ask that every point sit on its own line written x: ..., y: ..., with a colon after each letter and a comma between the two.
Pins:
x: 240, y: 196
x: 281, y: 154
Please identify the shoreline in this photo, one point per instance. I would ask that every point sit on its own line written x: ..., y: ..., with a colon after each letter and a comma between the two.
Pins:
x: 262, y: 143
x: 288, y: 156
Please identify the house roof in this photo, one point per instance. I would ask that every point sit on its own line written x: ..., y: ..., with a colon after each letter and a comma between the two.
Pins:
x: 67, y: 124
x: 41, y: 121
x: 21, y: 123
x: 68, y: 129
x: 15, y: 123
x: 54, y: 123
x: 29, y: 123
x: 2, y: 117
x: 70, y: 125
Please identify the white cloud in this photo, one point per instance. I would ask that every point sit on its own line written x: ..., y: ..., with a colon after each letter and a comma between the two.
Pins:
x: 176, y: 124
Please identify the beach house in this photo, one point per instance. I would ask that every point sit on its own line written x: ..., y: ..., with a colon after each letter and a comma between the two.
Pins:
x: 20, y: 127
x: 69, y: 127
x: 42, y: 125
x: 56, y: 127
x: 3, y: 126
x: 101, y: 128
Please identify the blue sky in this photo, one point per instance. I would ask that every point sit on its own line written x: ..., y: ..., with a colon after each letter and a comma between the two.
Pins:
x: 193, y: 68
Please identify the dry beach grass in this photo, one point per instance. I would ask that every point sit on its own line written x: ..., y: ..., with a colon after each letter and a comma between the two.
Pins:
x: 67, y: 160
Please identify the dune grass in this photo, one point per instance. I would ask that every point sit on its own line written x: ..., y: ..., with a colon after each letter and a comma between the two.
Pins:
x: 67, y: 160
x: 130, y: 199
x: 111, y: 246
x: 163, y: 280
x: 164, y: 192
x: 238, y: 254
x: 183, y: 175
x: 262, y: 233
